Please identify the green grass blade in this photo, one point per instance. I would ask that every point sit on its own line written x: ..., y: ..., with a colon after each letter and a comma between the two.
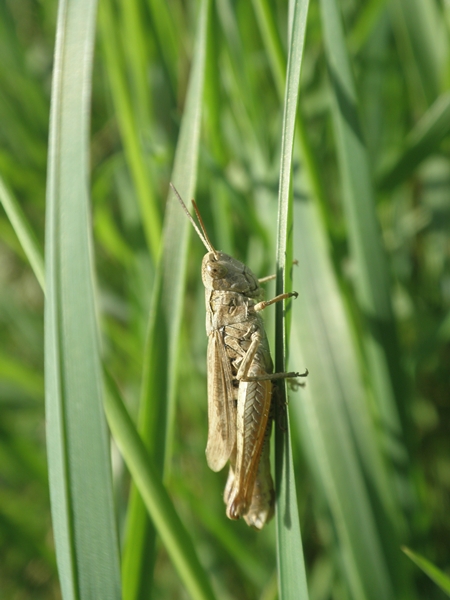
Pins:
x: 421, y: 142
x: 77, y: 439
x: 272, y: 42
x: 24, y: 232
x: 331, y: 412
x: 150, y: 214
x: 371, y: 278
x: 167, y: 37
x: 173, y: 534
x: 363, y: 28
x: 355, y: 493
x: 439, y: 578
x: 291, y: 568
x: 230, y: 539
x: 135, y: 53
x: 277, y: 61
x: 422, y: 40
x: 157, y: 411
x: 21, y: 376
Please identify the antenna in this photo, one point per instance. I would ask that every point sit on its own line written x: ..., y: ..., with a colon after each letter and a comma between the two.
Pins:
x: 201, y: 231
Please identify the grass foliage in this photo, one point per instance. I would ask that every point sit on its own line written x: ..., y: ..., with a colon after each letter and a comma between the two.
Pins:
x: 203, y: 94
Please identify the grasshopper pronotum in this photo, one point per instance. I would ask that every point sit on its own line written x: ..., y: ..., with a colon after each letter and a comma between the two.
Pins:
x: 240, y: 381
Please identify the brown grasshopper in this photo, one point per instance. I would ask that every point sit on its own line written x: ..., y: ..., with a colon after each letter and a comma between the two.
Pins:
x: 240, y: 381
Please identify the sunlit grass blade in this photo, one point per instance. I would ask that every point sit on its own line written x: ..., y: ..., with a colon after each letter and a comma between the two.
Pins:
x: 147, y: 478
x: 277, y: 62
x: 84, y: 522
x: 230, y: 540
x: 166, y: 34
x: 291, y: 568
x: 135, y: 54
x: 24, y: 232
x: 421, y: 142
x: 150, y: 214
x: 157, y: 410
x: 272, y: 42
x: 332, y: 413
x: 440, y: 578
x: 355, y: 486
x: 371, y: 278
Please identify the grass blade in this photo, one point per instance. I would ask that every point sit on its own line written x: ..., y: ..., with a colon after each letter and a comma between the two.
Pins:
x: 291, y: 569
x: 421, y: 142
x: 157, y: 501
x: 372, y: 279
x: 157, y: 410
x: 336, y: 430
x: 77, y: 438
x: 151, y: 220
x: 340, y: 439
x: 422, y: 39
x: 439, y: 578
x: 24, y: 232
x: 354, y: 494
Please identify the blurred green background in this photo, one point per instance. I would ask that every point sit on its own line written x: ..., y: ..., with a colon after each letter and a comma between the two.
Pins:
x: 387, y: 374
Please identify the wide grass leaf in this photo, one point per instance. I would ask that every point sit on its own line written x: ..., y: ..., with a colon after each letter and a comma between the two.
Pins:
x: 331, y: 413
x: 371, y: 279
x: 77, y: 438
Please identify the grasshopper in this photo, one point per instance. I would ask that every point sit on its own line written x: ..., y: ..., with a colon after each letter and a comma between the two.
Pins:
x: 240, y: 381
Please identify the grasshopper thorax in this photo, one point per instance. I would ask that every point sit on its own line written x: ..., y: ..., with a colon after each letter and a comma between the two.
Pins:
x: 223, y: 272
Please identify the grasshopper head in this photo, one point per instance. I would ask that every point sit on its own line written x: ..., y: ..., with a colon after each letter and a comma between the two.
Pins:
x: 223, y: 272
x: 220, y: 271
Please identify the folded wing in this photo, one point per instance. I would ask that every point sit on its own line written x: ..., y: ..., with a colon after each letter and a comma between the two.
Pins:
x: 221, y: 405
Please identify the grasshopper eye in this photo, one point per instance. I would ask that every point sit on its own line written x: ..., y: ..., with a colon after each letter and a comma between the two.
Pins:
x: 217, y: 271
